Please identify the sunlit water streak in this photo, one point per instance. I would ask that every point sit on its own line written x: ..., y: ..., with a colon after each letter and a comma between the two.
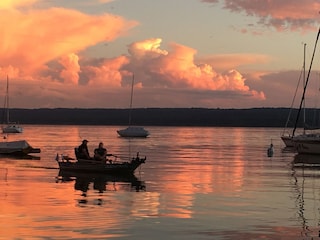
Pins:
x: 197, y: 183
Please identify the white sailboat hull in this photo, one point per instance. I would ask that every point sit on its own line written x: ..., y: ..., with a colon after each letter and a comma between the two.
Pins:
x: 12, y: 129
x: 133, y: 131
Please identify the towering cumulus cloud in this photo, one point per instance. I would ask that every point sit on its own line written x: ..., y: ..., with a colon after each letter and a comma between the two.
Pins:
x: 176, y: 68
x: 43, y: 51
x: 32, y: 38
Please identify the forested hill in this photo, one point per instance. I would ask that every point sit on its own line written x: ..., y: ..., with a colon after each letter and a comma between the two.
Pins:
x: 254, y: 117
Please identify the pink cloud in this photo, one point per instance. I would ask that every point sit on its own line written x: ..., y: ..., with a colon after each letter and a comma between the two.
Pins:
x: 295, y: 15
x: 176, y: 68
x: 30, y: 40
x: 106, y: 73
x: 41, y: 52
x: 161, y: 76
x: 71, y: 68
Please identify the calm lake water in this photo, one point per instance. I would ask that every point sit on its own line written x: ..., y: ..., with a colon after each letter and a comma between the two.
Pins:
x: 197, y: 183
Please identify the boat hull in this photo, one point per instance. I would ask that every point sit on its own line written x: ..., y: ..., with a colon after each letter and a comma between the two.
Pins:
x: 92, y: 166
x: 133, y: 131
x: 287, y: 140
x: 17, y: 147
x: 307, y: 144
x: 12, y: 129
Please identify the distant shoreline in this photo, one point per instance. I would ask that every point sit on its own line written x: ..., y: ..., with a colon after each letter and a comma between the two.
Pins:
x: 253, y: 117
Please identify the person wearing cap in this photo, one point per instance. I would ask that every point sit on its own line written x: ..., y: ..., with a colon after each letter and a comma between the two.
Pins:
x: 83, y: 150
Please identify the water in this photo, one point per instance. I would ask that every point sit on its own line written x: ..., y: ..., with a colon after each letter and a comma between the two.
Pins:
x: 197, y: 183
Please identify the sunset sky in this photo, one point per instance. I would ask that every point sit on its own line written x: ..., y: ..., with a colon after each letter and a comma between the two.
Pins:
x: 183, y: 53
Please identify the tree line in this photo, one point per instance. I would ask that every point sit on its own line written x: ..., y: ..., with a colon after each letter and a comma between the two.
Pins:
x: 253, y: 117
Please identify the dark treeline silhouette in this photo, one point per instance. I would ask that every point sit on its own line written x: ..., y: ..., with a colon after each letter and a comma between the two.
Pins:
x: 253, y: 117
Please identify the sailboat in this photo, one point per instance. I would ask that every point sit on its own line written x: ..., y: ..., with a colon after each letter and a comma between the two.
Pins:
x: 307, y: 143
x: 132, y: 131
x: 10, y: 126
x: 287, y: 137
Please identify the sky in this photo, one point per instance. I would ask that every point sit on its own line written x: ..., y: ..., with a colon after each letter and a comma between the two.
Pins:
x: 178, y: 53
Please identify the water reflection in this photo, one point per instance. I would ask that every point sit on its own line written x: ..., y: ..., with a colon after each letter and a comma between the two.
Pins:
x: 20, y: 156
x: 306, y: 160
x: 203, y: 183
x: 306, y: 175
x: 100, y: 183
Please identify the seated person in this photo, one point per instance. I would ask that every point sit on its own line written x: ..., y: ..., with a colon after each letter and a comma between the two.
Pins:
x: 100, y: 153
x: 83, y: 152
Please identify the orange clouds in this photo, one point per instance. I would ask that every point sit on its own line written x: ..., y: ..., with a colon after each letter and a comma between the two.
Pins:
x: 146, y: 48
x: 106, y: 73
x: 32, y: 39
x: 43, y: 51
x: 71, y: 70
x: 176, y: 69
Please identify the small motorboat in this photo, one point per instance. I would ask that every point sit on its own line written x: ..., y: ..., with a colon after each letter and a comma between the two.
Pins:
x: 17, y: 147
x: 108, y: 166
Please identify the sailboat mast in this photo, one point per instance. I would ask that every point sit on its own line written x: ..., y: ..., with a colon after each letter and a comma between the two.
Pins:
x: 302, y: 75
x: 7, y: 100
x: 306, y: 83
x: 132, y: 84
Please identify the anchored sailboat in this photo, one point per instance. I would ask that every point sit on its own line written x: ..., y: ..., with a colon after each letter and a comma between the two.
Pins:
x: 10, y: 127
x: 307, y: 143
x: 132, y: 131
x: 287, y: 137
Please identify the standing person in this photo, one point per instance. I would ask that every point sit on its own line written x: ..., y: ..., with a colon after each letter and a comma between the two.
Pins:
x: 100, y: 153
x: 83, y: 150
